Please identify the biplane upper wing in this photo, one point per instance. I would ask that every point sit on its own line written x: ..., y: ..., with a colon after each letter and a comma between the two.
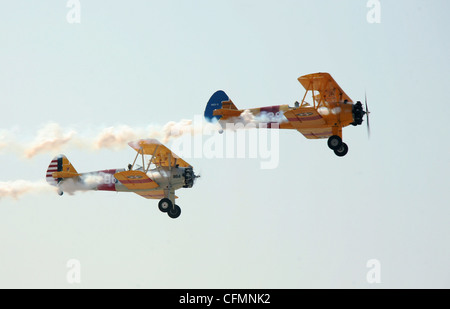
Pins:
x: 329, y: 90
x: 162, y: 155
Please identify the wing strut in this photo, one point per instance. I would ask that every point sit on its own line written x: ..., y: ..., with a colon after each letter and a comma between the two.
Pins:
x: 151, y: 159
x: 137, y: 155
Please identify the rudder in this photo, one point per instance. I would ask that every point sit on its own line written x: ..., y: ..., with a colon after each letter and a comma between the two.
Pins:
x: 215, y: 102
x: 59, y: 164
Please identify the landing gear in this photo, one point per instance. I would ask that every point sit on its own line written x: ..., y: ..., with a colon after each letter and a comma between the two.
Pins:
x: 174, y: 212
x: 342, y: 150
x: 334, y: 142
x: 166, y: 205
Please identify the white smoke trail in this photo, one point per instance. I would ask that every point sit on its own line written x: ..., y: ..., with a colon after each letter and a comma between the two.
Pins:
x: 17, y: 188
x: 84, y: 183
x: 49, y: 139
x: 52, y: 138
x: 247, y: 117
x: 116, y: 137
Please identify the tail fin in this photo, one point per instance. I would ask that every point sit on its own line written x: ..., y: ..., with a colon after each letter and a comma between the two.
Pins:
x: 219, y: 100
x: 60, y: 168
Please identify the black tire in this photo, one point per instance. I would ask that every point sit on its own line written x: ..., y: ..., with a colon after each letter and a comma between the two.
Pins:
x: 334, y: 142
x: 341, y: 151
x: 174, y: 212
x: 165, y: 204
x: 60, y: 192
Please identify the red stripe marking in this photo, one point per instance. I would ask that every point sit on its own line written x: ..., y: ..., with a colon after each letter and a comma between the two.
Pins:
x: 270, y: 109
x: 311, y: 118
x: 136, y: 181
x: 318, y: 134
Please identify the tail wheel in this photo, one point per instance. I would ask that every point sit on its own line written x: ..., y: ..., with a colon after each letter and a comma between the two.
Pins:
x: 165, y: 204
x: 174, y: 212
x: 334, y: 142
x: 341, y: 151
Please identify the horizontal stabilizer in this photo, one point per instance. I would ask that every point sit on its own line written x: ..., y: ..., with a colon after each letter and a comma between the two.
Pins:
x: 227, y: 113
x: 65, y: 175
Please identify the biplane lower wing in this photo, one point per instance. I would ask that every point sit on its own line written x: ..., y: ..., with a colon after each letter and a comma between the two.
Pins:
x: 308, y: 122
x: 316, y: 133
x: 153, y: 194
x: 136, y: 180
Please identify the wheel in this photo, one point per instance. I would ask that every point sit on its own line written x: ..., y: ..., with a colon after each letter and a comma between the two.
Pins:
x: 221, y: 131
x: 60, y: 192
x: 341, y: 151
x: 165, y: 204
x: 174, y: 212
x: 334, y: 142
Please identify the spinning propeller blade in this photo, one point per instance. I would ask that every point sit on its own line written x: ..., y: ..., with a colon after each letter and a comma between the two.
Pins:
x: 367, y: 115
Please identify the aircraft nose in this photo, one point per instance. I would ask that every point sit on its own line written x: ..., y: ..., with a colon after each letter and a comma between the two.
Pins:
x: 358, y: 113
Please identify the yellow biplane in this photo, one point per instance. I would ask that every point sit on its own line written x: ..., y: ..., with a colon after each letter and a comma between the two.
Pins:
x: 158, y: 178
x: 331, y: 109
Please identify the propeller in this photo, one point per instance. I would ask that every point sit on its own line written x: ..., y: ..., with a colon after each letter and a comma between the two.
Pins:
x: 199, y: 175
x: 367, y: 114
x: 359, y: 112
x: 196, y: 177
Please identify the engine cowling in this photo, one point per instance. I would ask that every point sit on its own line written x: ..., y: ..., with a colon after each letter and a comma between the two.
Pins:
x: 189, y: 177
x: 358, y: 113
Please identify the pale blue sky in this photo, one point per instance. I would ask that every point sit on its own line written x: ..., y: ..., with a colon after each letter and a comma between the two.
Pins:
x: 313, y: 222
